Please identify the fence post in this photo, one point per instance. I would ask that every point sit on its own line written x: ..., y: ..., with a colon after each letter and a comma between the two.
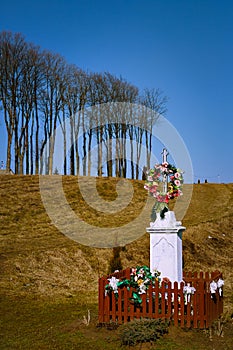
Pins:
x: 101, y: 300
x: 127, y: 273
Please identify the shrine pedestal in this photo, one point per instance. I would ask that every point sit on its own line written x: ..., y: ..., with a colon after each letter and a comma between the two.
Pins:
x: 166, y: 247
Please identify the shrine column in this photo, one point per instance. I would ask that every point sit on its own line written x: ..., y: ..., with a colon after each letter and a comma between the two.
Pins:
x: 166, y: 247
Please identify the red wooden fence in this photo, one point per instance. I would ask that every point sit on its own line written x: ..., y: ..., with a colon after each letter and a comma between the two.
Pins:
x: 164, y: 301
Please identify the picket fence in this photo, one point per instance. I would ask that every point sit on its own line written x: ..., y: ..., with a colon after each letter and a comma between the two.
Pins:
x: 163, y: 301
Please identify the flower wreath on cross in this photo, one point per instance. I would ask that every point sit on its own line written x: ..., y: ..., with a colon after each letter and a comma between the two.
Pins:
x: 155, y: 178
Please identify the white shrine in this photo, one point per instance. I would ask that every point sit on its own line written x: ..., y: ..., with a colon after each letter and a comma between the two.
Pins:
x: 166, y: 242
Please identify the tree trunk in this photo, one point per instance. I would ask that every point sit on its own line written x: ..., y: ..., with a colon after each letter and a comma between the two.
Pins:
x: 31, y: 146
x: 8, y: 159
x: 89, y: 152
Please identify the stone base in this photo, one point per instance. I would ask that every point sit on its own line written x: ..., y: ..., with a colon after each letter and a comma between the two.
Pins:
x: 166, y: 247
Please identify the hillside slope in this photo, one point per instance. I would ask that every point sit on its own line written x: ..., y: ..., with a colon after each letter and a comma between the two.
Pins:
x: 37, y: 259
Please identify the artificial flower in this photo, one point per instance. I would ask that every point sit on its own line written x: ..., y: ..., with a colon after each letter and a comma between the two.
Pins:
x: 140, y: 278
x: 156, y: 176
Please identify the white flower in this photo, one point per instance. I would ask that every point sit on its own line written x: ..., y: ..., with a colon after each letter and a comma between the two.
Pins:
x: 213, y: 287
x: 220, y: 283
x: 142, y: 289
x: 113, y: 283
x: 188, y: 289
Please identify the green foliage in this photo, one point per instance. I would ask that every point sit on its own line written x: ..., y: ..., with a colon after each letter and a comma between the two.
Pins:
x: 158, y: 207
x: 141, y: 331
x: 115, y: 262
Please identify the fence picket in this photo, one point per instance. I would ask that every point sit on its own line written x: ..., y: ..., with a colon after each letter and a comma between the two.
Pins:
x: 176, y: 304
x: 195, y: 306
x: 150, y: 301
x: 169, y: 300
x: 156, y: 300
x: 107, y: 309
x: 119, y: 311
x: 182, y: 315
x: 202, y: 298
x: 125, y: 304
x: 144, y: 305
x: 113, y: 307
x: 163, y: 314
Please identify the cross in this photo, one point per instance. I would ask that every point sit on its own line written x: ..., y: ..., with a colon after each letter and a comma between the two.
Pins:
x: 164, y: 154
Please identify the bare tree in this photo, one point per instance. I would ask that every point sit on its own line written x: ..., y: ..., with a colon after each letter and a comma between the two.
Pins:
x: 37, y: 82
x: 38, y: 91
x: 76, y: 100
x: 28, y: 107
x: 13, y: 53
x: 51, y: 102
x: 156, y: 102
x: 107, y: 88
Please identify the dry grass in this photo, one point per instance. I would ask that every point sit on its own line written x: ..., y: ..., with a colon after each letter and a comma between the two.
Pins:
x: 37, y: 261
x: 37, y: 257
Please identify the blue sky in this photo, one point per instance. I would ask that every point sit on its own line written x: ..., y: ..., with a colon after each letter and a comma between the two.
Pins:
x: 183, y: 47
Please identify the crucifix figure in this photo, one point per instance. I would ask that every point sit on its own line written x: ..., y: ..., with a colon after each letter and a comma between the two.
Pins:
x: 165, y: 154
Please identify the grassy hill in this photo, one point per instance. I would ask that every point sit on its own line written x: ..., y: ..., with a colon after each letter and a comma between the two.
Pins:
x: 44, y: 273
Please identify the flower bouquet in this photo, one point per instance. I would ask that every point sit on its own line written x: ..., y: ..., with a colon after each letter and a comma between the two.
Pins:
x: 140, y: 279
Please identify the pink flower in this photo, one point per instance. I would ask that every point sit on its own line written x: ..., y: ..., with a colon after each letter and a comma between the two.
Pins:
x: 149, y: 178
x: 177, y: 175
x: 153, y: 189
x: 133, y: 271
x: 177, y: 182
x: 162, y: 198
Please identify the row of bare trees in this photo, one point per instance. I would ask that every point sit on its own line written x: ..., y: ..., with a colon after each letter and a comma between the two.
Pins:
x: 103, y: 120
